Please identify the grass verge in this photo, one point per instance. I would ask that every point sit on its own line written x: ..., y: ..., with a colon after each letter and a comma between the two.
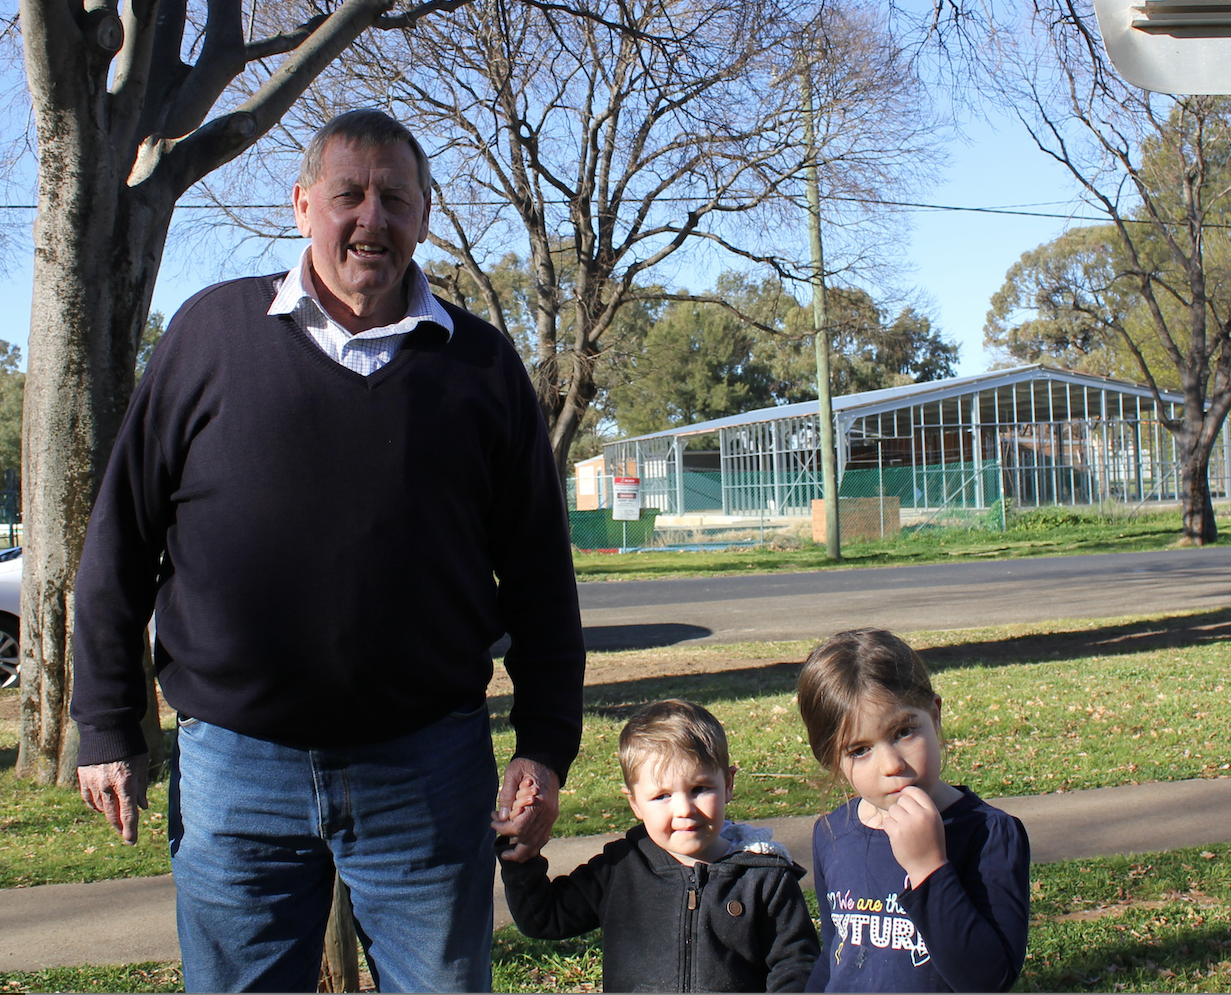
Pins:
x: 1147, y: 923
x: 1028, y: 709
x: 1040, y: 532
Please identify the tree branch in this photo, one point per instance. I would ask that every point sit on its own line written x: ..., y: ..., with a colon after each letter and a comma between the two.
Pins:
x: 53, y: 47
x: 222, y: 139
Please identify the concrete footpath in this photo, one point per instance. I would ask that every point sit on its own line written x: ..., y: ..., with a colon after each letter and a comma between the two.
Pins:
x: 115, y: 922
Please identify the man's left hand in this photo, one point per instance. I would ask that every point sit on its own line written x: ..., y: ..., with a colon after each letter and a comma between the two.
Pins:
x: 527, y: 807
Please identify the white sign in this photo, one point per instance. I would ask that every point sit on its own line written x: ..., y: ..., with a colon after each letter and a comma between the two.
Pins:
x: 1167, y: 46
x: 627, y: 504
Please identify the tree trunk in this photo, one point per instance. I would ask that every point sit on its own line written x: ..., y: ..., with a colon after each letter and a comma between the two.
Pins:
x: 94, y: 267
x: 151, y: 724
x: 340, y: 960
x: 1196, y: 505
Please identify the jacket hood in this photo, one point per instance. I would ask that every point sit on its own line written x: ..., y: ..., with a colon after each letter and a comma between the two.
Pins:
x: 752, y: 846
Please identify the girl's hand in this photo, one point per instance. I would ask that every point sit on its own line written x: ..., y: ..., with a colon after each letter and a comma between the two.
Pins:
x: 916, y: 834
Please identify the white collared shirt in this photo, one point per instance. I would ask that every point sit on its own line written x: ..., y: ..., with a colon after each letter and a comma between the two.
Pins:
x: 367, y: 351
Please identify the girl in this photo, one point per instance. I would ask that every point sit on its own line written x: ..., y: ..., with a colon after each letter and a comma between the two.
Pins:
x: 927, y: 886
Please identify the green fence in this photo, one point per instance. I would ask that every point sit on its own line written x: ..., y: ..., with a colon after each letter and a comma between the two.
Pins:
x: 953, y: 486
x: 751, y: 493
x: 592, y: 530
x: 895, y: 501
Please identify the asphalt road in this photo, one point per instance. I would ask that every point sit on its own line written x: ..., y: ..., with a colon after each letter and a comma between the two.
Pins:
x: 810, y: 606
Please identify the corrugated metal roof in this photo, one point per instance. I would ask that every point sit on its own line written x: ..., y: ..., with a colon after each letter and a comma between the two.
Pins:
x: 865, y: 402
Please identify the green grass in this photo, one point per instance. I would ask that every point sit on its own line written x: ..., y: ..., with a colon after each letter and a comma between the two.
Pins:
x: 48, y: 836
x: 520, y: 964
x: 1041, y: 713
x: 1028, y: 709
x: 119, y: 978
x: 1042, y: 532
x: 1147, y: 923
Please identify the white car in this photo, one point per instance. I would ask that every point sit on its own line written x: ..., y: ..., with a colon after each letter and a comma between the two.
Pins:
x: 10, y: 615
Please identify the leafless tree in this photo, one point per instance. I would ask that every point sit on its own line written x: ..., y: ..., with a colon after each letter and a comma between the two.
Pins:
x: 1158, y: 167
x: 607, y: 151
x: 122, y: 104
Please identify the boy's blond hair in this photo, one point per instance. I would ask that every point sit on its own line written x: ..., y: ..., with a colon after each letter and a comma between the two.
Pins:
x: 669, y: 732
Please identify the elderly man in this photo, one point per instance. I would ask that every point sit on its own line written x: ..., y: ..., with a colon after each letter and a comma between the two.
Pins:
x: 337, y: 492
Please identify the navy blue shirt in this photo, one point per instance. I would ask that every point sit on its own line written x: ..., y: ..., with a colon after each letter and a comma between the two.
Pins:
x: 331, y: 555
x: 963, y: 929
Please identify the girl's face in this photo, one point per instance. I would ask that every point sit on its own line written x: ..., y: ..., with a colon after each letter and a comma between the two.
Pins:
x: 891, y: 747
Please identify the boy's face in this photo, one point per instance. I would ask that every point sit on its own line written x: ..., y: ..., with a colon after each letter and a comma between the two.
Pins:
x: 683, y: 807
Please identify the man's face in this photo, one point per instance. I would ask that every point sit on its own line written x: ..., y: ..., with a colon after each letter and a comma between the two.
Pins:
x: 365, y: 214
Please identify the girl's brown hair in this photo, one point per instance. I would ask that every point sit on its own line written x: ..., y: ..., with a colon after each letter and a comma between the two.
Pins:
x: 854, y: 667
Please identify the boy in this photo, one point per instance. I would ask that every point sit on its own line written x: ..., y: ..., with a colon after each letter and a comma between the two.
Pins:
x: 684, y: 904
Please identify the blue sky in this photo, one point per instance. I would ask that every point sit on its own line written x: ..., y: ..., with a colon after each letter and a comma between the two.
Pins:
x: 957, y: 259
x: 960, y: 258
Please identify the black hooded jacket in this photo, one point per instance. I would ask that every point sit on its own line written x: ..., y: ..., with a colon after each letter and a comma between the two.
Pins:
x: 739, y: 924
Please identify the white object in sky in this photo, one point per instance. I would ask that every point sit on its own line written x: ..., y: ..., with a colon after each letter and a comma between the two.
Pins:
x: 1169, y: 46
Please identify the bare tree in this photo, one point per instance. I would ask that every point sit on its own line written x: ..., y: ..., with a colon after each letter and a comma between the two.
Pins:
x: 1158, y: 167
x: 599, y: 149
x: 121, y: 106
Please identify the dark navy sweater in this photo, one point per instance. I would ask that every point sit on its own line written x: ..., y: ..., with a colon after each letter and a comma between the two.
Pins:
x: 331, y: 555
x: 963, y: 929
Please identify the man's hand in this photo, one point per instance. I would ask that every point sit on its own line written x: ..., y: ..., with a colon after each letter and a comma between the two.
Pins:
x: 527, y: 806
x: 117, y: 789
x: 916, y: 834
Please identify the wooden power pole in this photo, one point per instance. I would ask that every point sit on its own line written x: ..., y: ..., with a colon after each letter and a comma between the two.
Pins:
x: 820, y: 321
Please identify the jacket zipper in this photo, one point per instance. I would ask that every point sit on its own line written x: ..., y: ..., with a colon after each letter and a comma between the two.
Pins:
x: 686, y: 980
x: 696, y: 882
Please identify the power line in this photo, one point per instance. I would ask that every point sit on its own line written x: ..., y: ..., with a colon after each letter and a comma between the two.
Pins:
x: 1010, y: 210
x: 1013, y: 210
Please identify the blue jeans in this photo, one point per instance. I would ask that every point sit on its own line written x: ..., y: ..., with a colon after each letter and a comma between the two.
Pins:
x: 256, y: 830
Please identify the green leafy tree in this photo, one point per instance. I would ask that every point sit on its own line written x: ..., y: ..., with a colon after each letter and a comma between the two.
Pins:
x: 910, y: 347
x: 1062, y: 303
x: 707, y: 360
x: 698, y: 363
x: 866, y: 351
x: 1057, y: 302
x: 154, y: 327
x: 12, y: 391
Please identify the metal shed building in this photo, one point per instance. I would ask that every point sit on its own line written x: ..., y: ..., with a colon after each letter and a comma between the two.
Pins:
x: 1040, y: 436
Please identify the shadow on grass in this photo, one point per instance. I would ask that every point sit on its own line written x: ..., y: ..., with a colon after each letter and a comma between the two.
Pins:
x: 620, y: 698
x: 8, y: 759
x: 651, y: 635
x: 1107, y: 640
x: 619, y: 638
x: 1172, y: 964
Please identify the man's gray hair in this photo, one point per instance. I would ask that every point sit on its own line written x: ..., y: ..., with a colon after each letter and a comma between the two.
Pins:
x: 368, y: 128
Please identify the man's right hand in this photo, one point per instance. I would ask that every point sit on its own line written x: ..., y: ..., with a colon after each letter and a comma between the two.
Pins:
x: 117, y: 789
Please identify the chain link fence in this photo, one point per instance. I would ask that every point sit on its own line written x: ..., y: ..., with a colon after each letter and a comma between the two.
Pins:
x: 877, y: 504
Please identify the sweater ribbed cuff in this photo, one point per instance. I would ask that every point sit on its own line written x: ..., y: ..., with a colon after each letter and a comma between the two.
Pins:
x: 555, y: 762
x: 101, y: 746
